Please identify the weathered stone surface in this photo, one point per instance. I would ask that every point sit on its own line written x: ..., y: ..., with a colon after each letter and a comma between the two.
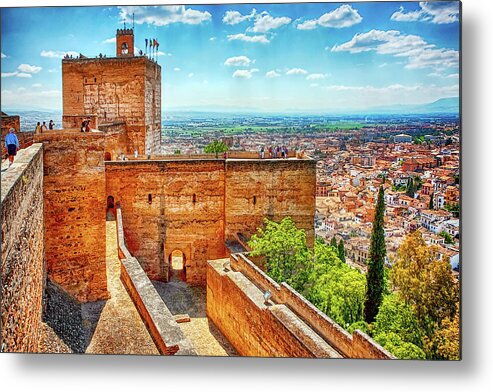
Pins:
x: 22, y: 265
x: 75, y: 212
x: 160, y: 215
x: 119, y: 89
x: 274, y: 189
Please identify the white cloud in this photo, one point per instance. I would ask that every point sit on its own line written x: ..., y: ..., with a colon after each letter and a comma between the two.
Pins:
x: 110, y: 40
x: 212, y: 39
x: 265, y: 22
x: 249, y: 38
x: 37, y: 85
x: 16, y: 74
x: 344, y: 16
x: 296, y: 71
x: 235, y: 17
x: 238, y: 61
x: 272, y: 74
x: 401, y: 16
x: 308, y: 25
x: 164, y: 15
x: 26, y: 68
x: 244, y: 73
x: 396, y: 89
x: 3, y: 55
x: 316, y: 76
x: 21, y: 89
x: 438, y: 12
x: 190, y: 75
x: 418, y: 52
x: 9, y: 74
x: 57, y: 53
x: 177, y: 69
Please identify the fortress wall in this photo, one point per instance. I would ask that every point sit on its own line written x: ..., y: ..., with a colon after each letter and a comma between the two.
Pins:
x: 281, y: 188
x: 237, y: 308
x: 75, y: 207
x: 22, y: 269
x: 172, y: 221
x: 357, y: 345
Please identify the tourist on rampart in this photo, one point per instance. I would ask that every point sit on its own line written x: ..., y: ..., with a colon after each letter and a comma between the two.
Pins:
x: 83, y: 126
x: 262, y: 152
x: 12, y: 144
x: 275, y: 152
x: 51, y: 125
x: 44, y: 127
x: 38, y: 129
x: 270, y: 152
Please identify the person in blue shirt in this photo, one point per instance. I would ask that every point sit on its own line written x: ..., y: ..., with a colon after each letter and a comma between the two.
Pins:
x: 12, y: 144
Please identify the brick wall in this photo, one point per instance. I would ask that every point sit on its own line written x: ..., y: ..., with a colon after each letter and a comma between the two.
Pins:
x: 23, y: 272
x: 75, y: 212
x: 269, y: 188
x: 160, y: 215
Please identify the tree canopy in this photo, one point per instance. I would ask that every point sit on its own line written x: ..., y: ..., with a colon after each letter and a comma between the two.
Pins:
x: 216, y: 147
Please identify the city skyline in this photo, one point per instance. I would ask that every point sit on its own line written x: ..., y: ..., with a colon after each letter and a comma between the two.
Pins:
x: 265, y: 57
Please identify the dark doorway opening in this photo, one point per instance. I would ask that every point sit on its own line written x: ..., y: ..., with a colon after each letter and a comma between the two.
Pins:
x: 177, y: 266
x: 110, y: 208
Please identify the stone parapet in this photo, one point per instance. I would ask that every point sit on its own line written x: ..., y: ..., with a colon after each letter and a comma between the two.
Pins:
x: 316, y: 333
x: 161, y: 324
x: 22, y: 269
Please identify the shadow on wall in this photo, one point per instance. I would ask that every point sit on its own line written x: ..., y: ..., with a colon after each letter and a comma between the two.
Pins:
x: 72, y: 321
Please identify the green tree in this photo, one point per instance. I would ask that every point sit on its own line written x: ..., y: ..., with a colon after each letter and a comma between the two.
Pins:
x: 410, y: 190
x: 375, y: 277
x: 333, y: 242
x: 335, y: 288
x: 285, y: 250
x: 427, y: 285
x: 431, y: 206
x: 447, y: 236
x: 216, y: 147
x: 341, y: 250
x: 401, y: 349
x: 397, y: 317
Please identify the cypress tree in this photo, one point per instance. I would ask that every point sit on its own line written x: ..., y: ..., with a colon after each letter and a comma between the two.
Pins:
x: 341, y: 251
x: 333, y: 242
x: 375, y: 276
x: 410, y: 188
x: 432, y: 207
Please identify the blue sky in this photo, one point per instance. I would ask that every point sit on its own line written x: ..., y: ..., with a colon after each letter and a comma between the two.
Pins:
x: 275, y: 57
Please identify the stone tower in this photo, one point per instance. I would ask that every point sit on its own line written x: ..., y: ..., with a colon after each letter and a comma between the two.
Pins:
x: 120, y: 93
x: 124, y: 42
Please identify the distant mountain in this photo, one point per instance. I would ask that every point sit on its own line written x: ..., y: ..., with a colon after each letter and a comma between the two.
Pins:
x: 443, y: 105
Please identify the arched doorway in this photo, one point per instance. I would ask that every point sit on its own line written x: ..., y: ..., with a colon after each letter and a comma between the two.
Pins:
x: 177, y: 266
x: 110, y: 208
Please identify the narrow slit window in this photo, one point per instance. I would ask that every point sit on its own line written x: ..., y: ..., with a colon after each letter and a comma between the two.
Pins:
x: 194, y: 198
x: 254, y: 200
x: 149, y: 198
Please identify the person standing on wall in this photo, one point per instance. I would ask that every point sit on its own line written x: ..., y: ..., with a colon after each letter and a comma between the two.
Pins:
x: 51, y: 124
x: 12, y: 144
x: 44, y: 127
x: 38, y: 129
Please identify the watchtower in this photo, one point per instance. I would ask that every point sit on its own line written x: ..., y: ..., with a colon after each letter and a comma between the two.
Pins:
x: 119, y: 93
x: 125, y: 42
